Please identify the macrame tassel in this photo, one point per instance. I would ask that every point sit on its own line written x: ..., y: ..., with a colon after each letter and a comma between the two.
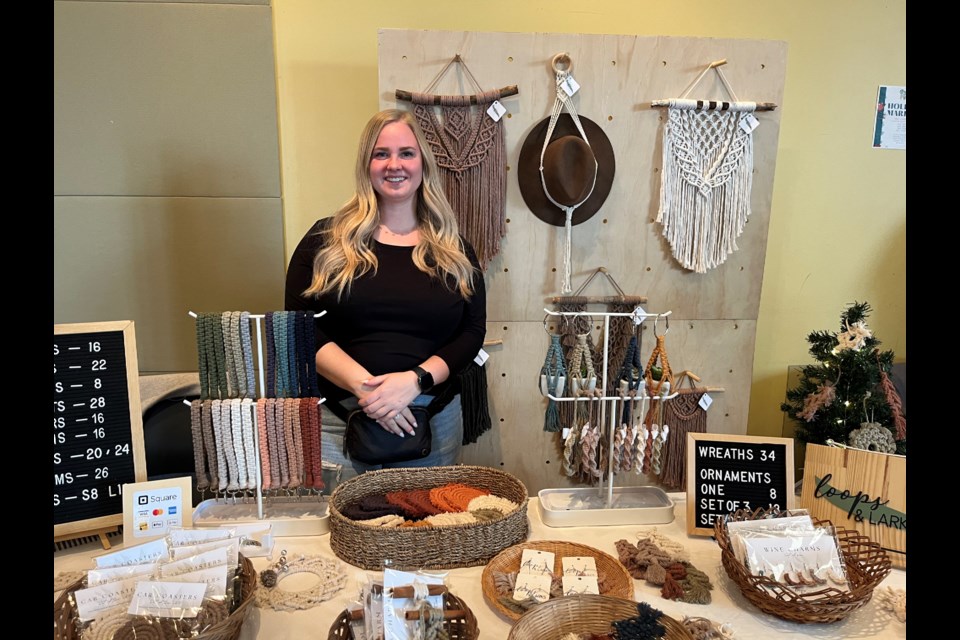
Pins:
x: 474, y: 405
x: 896, y: 407
x: 706, y: 184
x: 470, y: 150
x: 568, y: 238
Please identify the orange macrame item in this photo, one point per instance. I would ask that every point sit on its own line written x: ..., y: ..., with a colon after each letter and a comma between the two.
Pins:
x: 660, y: 352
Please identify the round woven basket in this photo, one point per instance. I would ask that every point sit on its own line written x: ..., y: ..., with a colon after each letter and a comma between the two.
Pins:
x: 866, y: 562
x: 584, y: 614
x: 617, y: 580
x: 412, y: 548
x: 64, y: 613
x: 461, y: 628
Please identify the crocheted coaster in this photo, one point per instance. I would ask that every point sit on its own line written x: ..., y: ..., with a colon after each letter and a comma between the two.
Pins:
x: 370, y: 507
x: 415, y: 504
x: 496, y: 503
x: 446, y: 519
x: 455, y: 497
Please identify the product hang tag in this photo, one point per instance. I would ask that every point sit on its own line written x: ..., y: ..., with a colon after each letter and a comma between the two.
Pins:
x: 565, y: 433
x: 705, y: 401
x: 496, y: 110
x: 748, y: 123
x: 482, y: 357
x: 569, y: 86
x: 639, y: 315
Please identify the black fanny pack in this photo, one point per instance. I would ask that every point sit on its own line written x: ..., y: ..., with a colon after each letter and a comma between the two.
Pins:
x: 365, y: 440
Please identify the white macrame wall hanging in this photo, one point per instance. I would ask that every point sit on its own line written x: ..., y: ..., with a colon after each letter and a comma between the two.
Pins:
x: 707, y: 175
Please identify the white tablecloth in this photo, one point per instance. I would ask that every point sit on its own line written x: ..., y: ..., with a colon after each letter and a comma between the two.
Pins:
x: 727, y: 605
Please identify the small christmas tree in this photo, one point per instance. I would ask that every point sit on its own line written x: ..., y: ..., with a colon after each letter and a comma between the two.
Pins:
x: 847, y: 396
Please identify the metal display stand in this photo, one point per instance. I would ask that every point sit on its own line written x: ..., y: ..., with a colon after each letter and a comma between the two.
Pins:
x: 293, y: 514
x: 606, y: 505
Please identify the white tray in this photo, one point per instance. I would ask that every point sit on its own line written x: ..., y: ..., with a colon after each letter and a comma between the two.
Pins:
x: 582, y: 507
x: 304, y: 517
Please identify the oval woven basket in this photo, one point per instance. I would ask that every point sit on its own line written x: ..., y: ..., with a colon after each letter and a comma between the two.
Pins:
x: 584, y: 614
x: 617, y: 580
x: 412, y: 548
x: 866, y: 563
x: 460, y: 628
x: 64, y: 613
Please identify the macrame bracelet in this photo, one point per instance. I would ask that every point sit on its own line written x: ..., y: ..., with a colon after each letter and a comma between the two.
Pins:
x: 236, y: 432
x: 282, y: 453
x: 209, y: 442
x: 247, y: 353
x: 295, y: 444
x: 219, y: 444
x: 310, y: 351
x: 570, y: 460
x: 239, y: 375
x: 280, y: 340
x: 263, y: 444
x: 657, y: 442
x: 220, y: 355
x: 249, y: 441
x: 229, y: 364
x: 271, y: 391
x: 293, y: 355
x: 225, y: 442
x: 203, y: 368
x: 312, y: 455
x: 271, y: 414
x: 199, y: 461
x: 331, y: 579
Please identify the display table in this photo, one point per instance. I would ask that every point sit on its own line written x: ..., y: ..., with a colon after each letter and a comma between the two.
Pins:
x: 728, y: 604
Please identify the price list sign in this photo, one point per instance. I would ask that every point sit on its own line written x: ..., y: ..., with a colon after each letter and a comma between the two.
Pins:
x: 726, y: 473
x: 97, y: 425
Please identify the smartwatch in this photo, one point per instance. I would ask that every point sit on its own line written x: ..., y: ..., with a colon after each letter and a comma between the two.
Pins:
x: 424, y: 379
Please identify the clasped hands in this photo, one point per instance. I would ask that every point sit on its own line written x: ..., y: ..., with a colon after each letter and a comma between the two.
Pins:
x: 386, y: 399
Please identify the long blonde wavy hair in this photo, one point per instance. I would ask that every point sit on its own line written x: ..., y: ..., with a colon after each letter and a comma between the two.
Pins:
x: 346, y: 253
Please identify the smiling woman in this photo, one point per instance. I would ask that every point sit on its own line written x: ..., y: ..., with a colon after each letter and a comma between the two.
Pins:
x: 404, y: 295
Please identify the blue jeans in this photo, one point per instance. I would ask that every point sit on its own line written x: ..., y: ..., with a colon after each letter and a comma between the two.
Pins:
x: 447, y: 428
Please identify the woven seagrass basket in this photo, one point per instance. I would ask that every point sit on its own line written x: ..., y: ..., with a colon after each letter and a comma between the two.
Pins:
x: 617, y: 580
x: 64, y: 613
x: 584, y: 614
x: 412, y: 548
x: 460, y: 628
x: 866, y: 563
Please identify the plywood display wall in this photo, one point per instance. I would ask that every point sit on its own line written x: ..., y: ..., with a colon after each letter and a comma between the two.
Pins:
x: 713, y: 323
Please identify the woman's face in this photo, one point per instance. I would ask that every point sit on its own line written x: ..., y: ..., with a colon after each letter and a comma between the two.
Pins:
x: 396, y: 165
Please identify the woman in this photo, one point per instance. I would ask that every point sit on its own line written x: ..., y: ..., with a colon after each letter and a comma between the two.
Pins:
x: 403, y: 292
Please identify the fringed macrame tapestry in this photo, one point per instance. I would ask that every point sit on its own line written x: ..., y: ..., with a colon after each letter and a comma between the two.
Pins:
x: 707, y: 177
x: 473, y: 402
x: 471, y: 153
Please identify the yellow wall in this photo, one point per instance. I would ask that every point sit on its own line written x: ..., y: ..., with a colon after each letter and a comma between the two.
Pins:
x: 838, y: 222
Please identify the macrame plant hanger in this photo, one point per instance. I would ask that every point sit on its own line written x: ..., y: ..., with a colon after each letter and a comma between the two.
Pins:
x: 469, y: 147
x: 707, y: 174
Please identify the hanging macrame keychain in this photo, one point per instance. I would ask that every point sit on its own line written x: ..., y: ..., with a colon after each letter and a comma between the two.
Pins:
x: 553, y: 377
x: 467, y: 141
x: 640, y: 452
x: 707, y: 175
x: 656, y: 377
x: 684, y: 414
x: 590, y: 449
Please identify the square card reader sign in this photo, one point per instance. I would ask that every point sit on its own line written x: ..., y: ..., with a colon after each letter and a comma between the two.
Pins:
x: 152, y: 509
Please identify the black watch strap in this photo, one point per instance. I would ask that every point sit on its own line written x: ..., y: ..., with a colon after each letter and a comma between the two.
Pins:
x: 424, y: 379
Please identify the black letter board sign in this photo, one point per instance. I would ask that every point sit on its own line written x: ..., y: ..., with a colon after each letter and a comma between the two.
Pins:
x: 727, y: 472
x: 97, y: 425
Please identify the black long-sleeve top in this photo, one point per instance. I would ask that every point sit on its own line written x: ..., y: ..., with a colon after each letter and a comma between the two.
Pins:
x: 392, y: 320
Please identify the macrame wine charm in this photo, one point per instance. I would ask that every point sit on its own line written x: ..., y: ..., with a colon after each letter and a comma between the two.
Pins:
x: 553, y: 377
x: 468, y: 144
x: 707, y: 175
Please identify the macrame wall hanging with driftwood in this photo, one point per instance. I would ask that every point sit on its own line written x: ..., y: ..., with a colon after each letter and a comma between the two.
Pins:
x: 465, y: 134
x: 707, y: 175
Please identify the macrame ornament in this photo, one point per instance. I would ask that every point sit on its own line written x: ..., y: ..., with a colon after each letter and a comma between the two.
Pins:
x: 553, y: 376
x: 707, y: 176
x: 896, y: 406
x: 872, y: 436
x: 892, y: 600
x: 684, y: 415
x: 855, y: 337
x: 706, y: 629
x: 824, y: 396
x: 469, y: 147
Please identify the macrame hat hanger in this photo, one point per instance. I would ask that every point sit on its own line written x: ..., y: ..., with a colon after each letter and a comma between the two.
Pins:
x: 566, y: 165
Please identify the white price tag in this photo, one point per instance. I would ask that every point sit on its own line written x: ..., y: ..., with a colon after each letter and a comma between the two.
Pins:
x: 749, y: 123
x: 639, y: 315
x: 569, y: 86
x: 482, y: 357
x: 496, y: 110
x: 705, y: 401
x: 565, y: 433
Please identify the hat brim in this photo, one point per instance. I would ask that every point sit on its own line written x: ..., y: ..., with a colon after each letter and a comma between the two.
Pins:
x: 528, y: 169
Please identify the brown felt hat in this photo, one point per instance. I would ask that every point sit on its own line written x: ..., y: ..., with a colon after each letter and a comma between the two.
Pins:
x: 567, y: 169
